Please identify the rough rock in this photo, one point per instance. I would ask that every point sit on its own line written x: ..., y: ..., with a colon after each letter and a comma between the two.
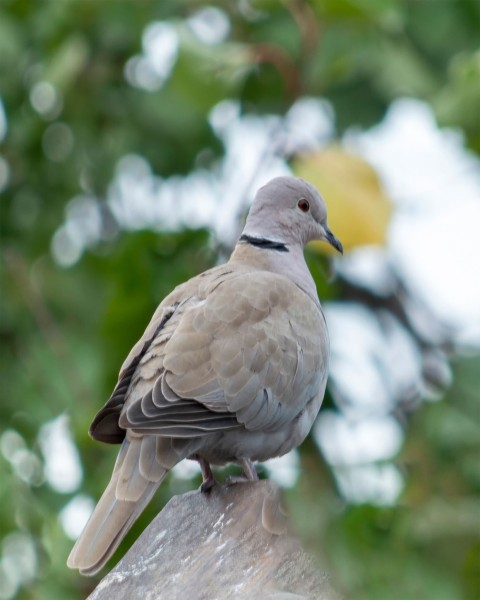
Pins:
x: 230, y: 543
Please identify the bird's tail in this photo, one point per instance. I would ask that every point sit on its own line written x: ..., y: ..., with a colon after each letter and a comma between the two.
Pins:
x: 136, y: 476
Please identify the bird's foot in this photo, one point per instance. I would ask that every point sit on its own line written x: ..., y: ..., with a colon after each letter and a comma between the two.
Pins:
x: 208, y: 479
x: 232, y: 479
x: 207, y: 485
x: 249, y: 473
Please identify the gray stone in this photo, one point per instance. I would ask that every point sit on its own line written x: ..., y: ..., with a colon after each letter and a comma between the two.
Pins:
x: 230, y: 543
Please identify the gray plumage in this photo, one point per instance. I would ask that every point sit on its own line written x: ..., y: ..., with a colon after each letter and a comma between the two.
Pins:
x: 231, y: 368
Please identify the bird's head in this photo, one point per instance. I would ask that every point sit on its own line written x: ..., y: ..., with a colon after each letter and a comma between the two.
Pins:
x: 289, y: 210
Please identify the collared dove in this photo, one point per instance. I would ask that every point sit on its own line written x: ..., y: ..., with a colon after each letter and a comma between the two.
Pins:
x: 231, y: 369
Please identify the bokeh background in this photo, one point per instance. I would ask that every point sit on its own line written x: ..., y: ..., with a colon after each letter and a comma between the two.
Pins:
x: 133, y: 137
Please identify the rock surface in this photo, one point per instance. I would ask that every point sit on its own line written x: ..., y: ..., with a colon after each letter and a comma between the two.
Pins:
x: 230, y: 543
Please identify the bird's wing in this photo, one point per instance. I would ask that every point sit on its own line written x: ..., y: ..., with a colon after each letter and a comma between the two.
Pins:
x: 251, y: 350
x: 105, y: 425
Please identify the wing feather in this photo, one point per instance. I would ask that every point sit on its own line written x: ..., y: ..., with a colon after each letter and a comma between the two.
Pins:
x: 240, y: 358
x: 246, y: 350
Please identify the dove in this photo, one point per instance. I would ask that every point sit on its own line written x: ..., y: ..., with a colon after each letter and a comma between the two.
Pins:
x: 232, y: 367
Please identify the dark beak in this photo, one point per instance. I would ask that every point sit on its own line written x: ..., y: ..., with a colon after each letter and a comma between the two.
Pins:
x: 332, y: 240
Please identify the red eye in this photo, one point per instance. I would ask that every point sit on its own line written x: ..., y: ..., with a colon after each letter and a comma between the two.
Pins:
x: 303, y: 205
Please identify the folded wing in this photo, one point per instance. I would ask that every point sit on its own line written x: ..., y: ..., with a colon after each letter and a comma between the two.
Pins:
x: 250, y: 355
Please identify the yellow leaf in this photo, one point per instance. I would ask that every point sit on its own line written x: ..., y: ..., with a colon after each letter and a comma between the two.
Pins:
x: 358, y: 208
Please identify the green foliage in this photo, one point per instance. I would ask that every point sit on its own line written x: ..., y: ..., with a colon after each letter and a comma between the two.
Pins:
x: 428, y: 546
x: 65, y: 331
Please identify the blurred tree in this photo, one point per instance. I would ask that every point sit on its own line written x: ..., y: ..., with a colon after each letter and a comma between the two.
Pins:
x: 84, y: 84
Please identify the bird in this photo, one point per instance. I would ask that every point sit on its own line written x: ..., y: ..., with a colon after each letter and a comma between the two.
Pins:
x: 232, y: 367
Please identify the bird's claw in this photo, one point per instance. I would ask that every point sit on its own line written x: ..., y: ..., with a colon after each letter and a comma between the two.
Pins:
x: 207, y: 485
x: 232, y: 479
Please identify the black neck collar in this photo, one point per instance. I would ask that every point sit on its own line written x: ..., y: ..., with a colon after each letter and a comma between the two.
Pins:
x: 263, y: 243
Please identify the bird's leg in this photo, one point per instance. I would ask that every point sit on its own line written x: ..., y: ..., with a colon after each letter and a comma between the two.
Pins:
x: 208, y: 479
x: 249, y: 472
x: 249, y: 469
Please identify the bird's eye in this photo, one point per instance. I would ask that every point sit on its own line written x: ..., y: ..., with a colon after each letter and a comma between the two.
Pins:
x: 303, y: 205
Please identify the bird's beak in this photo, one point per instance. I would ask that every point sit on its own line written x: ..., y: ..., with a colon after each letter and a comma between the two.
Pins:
x: 332, y: 240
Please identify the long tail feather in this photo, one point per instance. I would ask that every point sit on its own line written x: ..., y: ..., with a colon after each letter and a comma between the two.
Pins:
x: 126, y: 496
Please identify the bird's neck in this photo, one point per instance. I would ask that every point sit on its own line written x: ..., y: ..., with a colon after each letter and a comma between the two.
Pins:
x: 276, y: 257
